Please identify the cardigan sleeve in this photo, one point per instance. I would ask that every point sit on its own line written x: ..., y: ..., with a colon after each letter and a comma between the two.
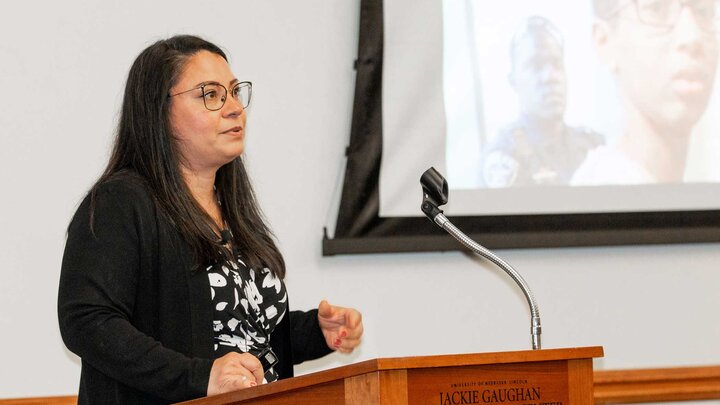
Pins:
x: 98, y: 284
x: 308, y: 342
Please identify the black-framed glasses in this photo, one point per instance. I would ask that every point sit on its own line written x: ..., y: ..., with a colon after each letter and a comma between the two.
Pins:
x: 666, y: 13
x: 215, y: 94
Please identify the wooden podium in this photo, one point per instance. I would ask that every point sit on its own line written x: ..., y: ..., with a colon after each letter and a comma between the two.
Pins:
x: 539, y: 377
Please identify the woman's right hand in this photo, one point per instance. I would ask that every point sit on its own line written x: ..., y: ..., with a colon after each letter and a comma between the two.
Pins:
x: 234, y: 371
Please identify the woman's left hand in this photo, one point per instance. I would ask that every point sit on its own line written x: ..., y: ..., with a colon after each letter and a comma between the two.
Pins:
x: 342, y: 327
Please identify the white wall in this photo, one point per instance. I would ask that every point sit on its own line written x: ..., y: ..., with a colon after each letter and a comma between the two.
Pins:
x: 63, y: 65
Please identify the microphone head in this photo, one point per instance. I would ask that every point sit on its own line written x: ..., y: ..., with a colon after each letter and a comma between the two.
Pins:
x: 435, y: 187
x: 435, y: 192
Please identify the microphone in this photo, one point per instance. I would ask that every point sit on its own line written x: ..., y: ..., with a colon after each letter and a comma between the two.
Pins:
x: 225, y: 236
x: 435, y: 194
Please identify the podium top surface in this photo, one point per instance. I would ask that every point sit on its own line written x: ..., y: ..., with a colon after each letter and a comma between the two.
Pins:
x: 474, y: 359
x: 408, y: 363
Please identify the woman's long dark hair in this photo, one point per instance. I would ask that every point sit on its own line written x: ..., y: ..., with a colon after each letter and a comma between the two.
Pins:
x: 145, y: 146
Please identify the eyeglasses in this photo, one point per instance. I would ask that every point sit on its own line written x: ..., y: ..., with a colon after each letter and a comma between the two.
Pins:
x: 215, y: 94
x: 666, y: 13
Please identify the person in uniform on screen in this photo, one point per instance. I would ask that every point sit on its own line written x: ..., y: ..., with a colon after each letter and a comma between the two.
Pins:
x: 538, y: 148
x: 663, y: 54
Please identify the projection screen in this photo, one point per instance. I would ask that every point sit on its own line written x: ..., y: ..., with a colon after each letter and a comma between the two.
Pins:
x: 448, y: 95
x: 544, y: 116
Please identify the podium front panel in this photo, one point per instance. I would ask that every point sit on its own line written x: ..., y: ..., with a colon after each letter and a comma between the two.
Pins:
x: 541, y: 383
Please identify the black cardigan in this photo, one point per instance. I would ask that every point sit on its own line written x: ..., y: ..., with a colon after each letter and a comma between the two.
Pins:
x: 140, y: 319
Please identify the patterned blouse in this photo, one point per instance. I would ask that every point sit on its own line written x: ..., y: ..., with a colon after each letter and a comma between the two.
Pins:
x: 248, y: 304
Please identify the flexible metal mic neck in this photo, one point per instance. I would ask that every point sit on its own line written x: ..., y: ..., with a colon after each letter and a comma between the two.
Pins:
x: 535, y: 328
x: 435, y: 192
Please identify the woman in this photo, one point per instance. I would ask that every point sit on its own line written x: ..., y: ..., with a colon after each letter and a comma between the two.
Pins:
x: 171, y: 284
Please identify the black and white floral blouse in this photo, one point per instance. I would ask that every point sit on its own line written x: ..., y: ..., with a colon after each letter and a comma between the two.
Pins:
x: 248, y: 304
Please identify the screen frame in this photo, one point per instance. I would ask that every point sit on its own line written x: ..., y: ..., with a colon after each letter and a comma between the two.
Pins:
x: 360, y: 229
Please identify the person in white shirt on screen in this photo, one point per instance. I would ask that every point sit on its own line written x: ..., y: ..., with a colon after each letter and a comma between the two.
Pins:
x: 663, y: 54
x: 538, y: 148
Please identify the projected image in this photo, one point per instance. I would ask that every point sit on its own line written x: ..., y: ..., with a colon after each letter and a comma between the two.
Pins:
x: 608, y: 92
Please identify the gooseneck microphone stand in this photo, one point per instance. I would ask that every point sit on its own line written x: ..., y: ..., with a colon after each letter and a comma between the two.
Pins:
x: 435, y: 192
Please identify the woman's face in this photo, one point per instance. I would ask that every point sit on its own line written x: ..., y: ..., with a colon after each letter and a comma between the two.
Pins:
x: 207, y: 139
